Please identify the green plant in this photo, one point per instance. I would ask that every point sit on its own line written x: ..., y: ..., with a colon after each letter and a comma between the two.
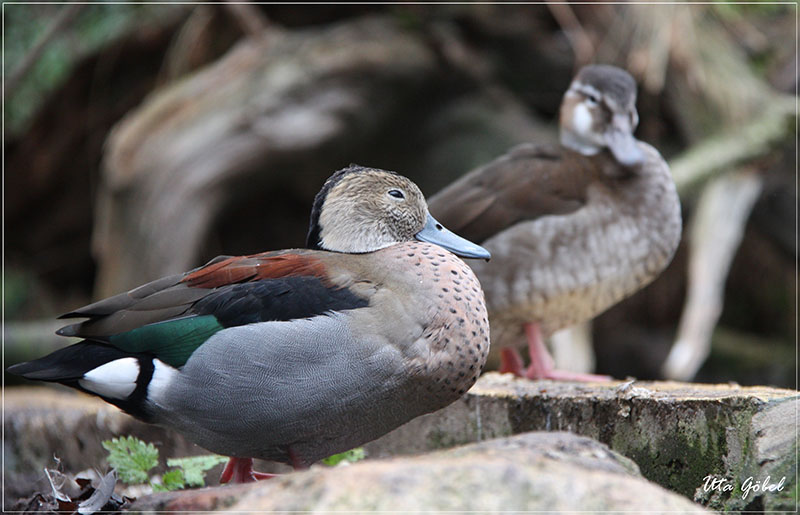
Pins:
x: 134, y: 459
x: 350, y: 456
x: 193, y: 469
x: 172, y: 480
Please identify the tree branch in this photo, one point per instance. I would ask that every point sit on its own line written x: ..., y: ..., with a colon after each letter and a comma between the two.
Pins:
x: 251, y: 20
x: 703, y: 160
x: 581, y: 44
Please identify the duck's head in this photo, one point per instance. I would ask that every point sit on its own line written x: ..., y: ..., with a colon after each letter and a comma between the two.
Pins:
x: 599, y: 111
x: 362, y: 210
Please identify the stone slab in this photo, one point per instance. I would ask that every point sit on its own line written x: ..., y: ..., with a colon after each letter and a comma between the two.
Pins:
x: 530, y: 472
x: 677, y: 433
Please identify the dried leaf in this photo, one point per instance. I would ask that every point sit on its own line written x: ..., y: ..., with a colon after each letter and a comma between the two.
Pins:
x: 54, y: 476
x: 66, y: 505
x: 100, y: 496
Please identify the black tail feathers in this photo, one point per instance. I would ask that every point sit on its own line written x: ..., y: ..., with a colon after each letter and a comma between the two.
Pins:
x: 69, y: 365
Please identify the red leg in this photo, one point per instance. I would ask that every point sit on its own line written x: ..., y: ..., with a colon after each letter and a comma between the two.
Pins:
x: 240, y: 470
x: 542, y: 363
x: 511, y: 362
x: 296, y: 460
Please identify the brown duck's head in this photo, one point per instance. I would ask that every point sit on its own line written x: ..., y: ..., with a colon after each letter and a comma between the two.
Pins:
x: 362, y: 209
x: 599, y: 111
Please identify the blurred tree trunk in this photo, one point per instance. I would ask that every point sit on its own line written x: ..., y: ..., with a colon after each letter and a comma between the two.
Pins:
x: 274, y: 107
x: 51, y: 170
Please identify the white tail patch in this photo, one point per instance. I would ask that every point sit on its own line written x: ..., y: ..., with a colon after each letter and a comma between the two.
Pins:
x: 116, y: 379
x: 163, y: 375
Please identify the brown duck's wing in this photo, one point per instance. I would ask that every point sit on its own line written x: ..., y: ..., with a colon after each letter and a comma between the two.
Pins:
x: 528, y: 182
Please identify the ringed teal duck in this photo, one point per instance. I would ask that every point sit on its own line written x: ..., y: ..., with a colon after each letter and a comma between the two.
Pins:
x: 574, y: 228
x: 294, y: 355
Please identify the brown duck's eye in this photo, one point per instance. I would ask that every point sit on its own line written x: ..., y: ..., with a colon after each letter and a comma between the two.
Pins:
x: 593, y: 99
x: 397, y: 194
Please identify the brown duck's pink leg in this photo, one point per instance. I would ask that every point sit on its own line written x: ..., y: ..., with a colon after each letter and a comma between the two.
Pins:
x: 511, y: 362
x: 541, y: 366
x: 240, y: 470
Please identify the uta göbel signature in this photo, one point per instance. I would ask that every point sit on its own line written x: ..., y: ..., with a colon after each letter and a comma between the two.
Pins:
x: 749, y: 485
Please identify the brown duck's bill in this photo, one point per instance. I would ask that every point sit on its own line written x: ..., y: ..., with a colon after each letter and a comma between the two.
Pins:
x: 435, y: 233
x: 623, y: 145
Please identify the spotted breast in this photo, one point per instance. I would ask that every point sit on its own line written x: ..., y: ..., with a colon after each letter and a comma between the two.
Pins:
x: 456, y: 336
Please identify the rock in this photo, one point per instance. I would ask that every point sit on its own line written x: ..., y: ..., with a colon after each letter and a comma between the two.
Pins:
x: 677, y: 433
x: 198, y: 500
x: 774, y: 456
x: 534, y: 471
x: 59, y: 427
x: 680, y: 435
x: 38, y: 419
x: 46, y: 426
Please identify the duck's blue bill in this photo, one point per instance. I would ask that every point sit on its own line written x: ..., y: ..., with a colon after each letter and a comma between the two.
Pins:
x: 435, y: 233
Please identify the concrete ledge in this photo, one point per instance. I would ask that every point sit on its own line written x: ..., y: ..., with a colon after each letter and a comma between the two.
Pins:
x: 678, y: 434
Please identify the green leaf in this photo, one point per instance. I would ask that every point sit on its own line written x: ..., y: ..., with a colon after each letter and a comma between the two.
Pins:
x: 351, y: 456
x: 131, y: 457
x: 195, y: 467
x: 172, y: 480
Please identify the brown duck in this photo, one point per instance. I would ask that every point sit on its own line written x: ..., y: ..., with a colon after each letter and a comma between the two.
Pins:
x: 572, y: 229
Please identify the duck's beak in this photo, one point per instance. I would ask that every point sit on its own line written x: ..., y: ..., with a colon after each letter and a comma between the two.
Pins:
x: 435, y: 233
x: 619, y: 139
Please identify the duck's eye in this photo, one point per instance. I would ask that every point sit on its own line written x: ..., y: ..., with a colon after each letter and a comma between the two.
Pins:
x: 592, y: 99
x: 397, y: 194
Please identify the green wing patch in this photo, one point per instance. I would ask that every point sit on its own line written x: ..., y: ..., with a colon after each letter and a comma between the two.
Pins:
x: 171, y: 341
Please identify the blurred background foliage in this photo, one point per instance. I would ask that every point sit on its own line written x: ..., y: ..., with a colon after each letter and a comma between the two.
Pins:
x: 92, y: 27
x: 144, y: 139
